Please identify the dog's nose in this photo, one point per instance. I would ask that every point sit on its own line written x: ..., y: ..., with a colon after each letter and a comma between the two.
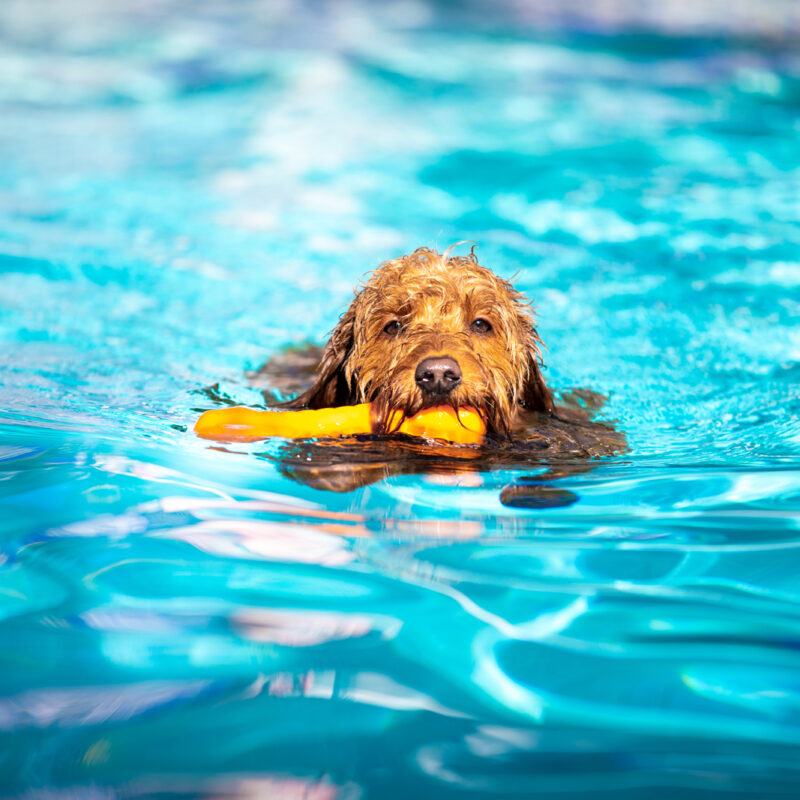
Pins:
x: 438, y: 375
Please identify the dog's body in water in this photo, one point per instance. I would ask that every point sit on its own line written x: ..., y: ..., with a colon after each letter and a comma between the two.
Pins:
x: 433, y: 329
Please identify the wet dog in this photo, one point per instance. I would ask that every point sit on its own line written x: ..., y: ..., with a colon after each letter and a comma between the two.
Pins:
x: 429, y: 329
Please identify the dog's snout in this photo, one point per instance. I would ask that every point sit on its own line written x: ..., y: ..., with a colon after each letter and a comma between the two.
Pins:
x: 438, y: 375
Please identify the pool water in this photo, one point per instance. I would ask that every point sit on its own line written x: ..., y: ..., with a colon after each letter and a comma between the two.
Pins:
x: 187, y: 190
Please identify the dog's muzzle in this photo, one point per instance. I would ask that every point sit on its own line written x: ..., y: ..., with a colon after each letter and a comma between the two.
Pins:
x: 438, y: 375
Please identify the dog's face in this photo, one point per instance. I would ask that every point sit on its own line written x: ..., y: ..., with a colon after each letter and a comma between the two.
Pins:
x: 427, y: 330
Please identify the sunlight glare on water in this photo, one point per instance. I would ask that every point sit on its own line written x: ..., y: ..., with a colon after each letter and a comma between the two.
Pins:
x: 189, y: 189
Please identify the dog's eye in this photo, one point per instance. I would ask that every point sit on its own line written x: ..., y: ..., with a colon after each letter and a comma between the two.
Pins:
x: 481, y: 326
x: 393, y: 328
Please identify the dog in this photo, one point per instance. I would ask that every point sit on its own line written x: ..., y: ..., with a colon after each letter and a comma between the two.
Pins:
x: 430, y: 329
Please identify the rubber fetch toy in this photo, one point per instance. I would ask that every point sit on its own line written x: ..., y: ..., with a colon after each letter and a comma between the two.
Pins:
x: 241, y: 424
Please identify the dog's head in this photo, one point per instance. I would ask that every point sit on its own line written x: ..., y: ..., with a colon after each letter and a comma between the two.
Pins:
x: 430, y: 329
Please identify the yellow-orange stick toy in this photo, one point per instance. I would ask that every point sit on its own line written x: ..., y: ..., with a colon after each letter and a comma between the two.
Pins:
x: 240, y: 424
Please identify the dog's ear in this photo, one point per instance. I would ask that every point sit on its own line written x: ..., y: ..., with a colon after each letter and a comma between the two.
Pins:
x: 331, y: 386
x: 535, y: 396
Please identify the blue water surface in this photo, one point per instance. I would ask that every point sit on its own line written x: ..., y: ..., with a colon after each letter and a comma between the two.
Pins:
x: 186, y: 190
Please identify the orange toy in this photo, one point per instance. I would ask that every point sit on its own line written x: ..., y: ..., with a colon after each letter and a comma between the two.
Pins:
x: 240, y: 424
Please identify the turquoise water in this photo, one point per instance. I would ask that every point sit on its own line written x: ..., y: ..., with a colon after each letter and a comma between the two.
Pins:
x: 186, y: 190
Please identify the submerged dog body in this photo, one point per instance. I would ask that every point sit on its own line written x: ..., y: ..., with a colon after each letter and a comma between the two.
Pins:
x: 429, y: 329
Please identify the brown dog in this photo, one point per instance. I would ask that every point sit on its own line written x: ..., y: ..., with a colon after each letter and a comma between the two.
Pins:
x: 430, y: 329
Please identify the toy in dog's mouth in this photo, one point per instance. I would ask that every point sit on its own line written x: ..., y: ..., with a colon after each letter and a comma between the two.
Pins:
x: 462, y: 425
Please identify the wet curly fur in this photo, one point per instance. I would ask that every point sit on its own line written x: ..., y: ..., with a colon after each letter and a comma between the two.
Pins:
x: 431, y: 305
x: 435, y: 299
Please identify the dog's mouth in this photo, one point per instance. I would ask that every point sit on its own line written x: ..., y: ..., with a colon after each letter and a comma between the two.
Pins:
x: 496, y: 416
x: 438, y: 377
